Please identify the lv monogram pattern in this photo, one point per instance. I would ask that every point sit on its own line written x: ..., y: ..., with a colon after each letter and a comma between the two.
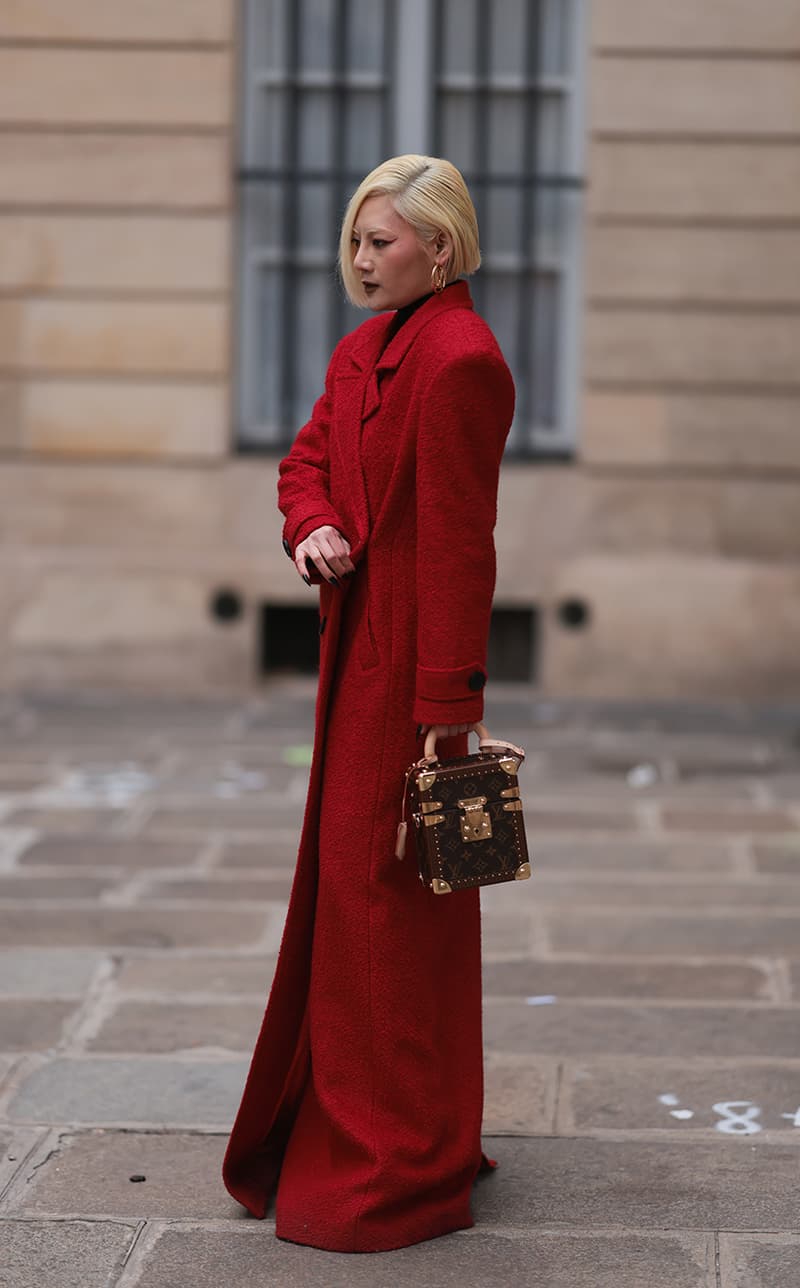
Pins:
x: 441, y: 849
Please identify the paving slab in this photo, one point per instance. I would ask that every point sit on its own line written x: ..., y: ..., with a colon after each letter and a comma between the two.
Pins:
x: 15, y: 1146
x: 735, y: 933
x: 21, y: 777
x: 45, y: 886
x: 604, y: 787
x: 7, y: 1063
x: 141, y: 927
x: 691, y: 1184
x: 90, y: 1175
x: 228, y: 889
x: 163, y: 1027
x: 277, y: 850
x: 729, y: 818
x: 784, y: 786
x: 519, y: 1096
x: 222, y: 817
x: 66, y: 820
x: 47, y: 972
x: 150, y: 1091
x: 253, y: 1258
x: 631, y: 854
x: 572, y: 1028
x: 111, y: 852
x: 32, y: 1025
x: 62, y: 1254
x: 794, y: 978
x: 759, y: 1261
x: 506, y: 932
x: 675, y: 980
x: 682, y: 1097
x: 559, y: 817
x: 168, y: 975
x: 653, y: 894
x: 778, y: 860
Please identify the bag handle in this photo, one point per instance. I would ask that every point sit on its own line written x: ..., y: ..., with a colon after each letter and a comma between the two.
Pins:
x: 485, y: 742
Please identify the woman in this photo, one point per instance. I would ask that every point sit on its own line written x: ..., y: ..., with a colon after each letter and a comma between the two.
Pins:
x: 364, y: 1100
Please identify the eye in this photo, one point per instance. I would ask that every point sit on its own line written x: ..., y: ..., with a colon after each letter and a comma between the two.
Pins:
x: 379, y: 242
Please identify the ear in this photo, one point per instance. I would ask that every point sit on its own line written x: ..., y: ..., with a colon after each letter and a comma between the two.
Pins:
x: 443, y: 246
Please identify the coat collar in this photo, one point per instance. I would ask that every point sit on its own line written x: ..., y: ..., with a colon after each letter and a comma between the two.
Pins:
x: 359, y: 392
x: 366, y: 350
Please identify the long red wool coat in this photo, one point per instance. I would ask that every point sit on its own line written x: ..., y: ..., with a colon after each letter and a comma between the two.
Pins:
x: 364, y: 1100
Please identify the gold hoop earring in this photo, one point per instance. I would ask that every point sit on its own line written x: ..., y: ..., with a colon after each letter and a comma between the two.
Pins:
x: 438, y: 278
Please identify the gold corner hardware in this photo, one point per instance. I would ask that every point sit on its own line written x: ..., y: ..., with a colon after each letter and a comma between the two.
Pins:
x: 509, y: 764
x: 523, y: 872
x: 426, y: 780
x: 441, y: 887
x: 430, y: 807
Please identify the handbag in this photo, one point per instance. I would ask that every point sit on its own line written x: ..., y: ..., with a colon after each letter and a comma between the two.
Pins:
x: 467, y: 816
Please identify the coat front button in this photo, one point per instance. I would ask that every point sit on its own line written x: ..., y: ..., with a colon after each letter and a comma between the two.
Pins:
x: 476, y: 681
x: 322, y: 625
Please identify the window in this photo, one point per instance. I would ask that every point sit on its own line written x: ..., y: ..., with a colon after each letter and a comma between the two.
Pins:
x: 332, y: 87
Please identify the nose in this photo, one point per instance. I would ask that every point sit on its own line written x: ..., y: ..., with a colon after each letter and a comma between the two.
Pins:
x: 362, y: 260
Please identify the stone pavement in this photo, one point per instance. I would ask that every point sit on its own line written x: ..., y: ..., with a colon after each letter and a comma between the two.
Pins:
x: 642, y: 997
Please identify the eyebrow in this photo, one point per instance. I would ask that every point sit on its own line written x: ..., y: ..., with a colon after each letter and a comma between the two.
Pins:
x: 372, y: 231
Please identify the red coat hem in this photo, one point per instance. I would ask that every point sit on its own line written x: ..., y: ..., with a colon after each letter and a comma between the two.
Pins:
x: 387, y: 1241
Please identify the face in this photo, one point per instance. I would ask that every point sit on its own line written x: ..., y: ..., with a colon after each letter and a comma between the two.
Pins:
x: 394, y: 265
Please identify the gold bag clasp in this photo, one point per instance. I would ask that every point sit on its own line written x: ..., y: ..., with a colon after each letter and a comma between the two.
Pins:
x: 476, y: 824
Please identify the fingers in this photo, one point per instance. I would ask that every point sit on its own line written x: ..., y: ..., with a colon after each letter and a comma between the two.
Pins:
x: 329, y: 551
x: 446, y: 731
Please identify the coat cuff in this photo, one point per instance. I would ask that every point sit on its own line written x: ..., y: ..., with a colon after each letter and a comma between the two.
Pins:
x: 454, y: 696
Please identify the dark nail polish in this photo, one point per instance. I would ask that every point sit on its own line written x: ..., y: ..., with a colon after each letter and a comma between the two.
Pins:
x: 334, y: 581
x: 351, y: 574
x: 419, y: 731
x: 306, y: 579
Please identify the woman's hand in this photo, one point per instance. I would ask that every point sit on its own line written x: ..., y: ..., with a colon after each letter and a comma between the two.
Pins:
x: 329, y: 550
x: 447, y: 731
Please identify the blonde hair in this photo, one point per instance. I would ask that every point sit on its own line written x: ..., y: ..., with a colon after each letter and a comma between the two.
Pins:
x: 431, y: 195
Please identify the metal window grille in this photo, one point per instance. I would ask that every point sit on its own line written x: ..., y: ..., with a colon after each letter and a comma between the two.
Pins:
x: 332, y: 87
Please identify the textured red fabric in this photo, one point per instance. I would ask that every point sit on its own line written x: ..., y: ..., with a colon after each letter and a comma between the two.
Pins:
x: 363, y: 1104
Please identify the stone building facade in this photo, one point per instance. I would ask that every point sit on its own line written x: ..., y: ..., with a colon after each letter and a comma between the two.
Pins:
x: 138, y: 547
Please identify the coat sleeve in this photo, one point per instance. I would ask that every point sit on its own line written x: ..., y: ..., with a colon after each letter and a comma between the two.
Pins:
x: 463, y: 427
x: 304, y: 477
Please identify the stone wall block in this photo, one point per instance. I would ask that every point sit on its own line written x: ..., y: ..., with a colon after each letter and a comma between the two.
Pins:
x: 119, y: 336
x: 47, y: 252
x: 715, y: 25
x: 693, y: 180
x: 737, y: 98
x: 121, y: 419
x: 648, y: 346
x: 658, y: 428
x: 179, y: 172
x: 189, y: 21
x: 106, y: 87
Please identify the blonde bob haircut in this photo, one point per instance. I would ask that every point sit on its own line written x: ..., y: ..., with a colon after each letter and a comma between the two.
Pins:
x: 431, y: 195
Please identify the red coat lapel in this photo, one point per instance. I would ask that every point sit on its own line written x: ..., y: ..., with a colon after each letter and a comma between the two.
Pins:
x: 358, y: 380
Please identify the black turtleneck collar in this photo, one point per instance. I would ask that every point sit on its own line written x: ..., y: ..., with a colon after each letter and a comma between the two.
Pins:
x: 402, y: 315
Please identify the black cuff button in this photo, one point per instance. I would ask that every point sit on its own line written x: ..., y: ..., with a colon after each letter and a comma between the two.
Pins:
x: 476, y: 681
